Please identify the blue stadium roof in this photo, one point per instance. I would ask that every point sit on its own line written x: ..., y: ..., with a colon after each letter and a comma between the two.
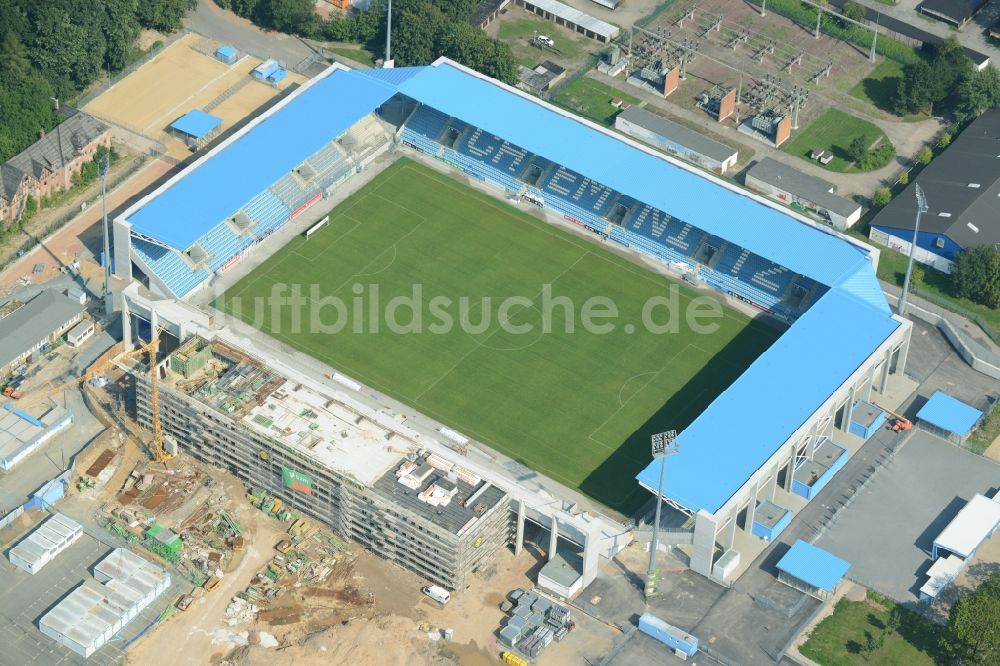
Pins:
x: 726, y: 213
x: 747, y: 424
x: 813, y: 565
x: 196, y: 123
x: 225, y: 181
x: 950, y: 414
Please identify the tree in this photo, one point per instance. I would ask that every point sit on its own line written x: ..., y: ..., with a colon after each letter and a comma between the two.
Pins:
x: 853, y: 10
x: 14, y: 63
x: 872, y: 645
x: 977, y: 92
x: 120, y: 27
x: 974, y: 626
x: 882, y: 196
x: 924, y: 155
x: 857, y: 149
x: 944, y: 140
x: 164, y: 15
x: 932, y: 84
x: 904, y: 178
x: 292, y: 16
x: 976, y: 276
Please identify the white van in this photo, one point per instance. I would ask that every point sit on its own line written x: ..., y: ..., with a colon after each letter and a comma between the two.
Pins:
x: 545, y: 40
x: 438, y: 594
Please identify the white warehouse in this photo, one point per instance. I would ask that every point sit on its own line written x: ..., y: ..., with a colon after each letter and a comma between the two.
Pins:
x: 43, y: 545
x: 92, y: 614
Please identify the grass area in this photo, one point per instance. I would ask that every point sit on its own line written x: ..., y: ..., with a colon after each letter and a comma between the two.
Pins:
x: 839, y: 639
x: 591, y: 99
x: 573, y: 403
x: 833, y: 131
x: 518, y: 34
x: 934, y: 285
x: 879, y: 88
x: 358, y: 55
x: 986, y: 432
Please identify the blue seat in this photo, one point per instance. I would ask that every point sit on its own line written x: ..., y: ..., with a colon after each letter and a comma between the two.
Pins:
x: 221, y: 244
x: 427, y: 121
x: 267, y: 212
x: 168, y: 266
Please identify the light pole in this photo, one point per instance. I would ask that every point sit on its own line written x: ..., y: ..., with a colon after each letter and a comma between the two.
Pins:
x: 921, y: 209
x: 108, y: 302
x: 662, y: 446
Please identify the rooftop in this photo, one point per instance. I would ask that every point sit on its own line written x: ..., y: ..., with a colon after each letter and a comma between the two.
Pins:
x: 973, y: 524
x: 434, y: 478
x: 813, y: 566
x: 21, y: 330
x: 196, y: 123
x: 961, y: 185
x: 714, y: 462
x: 18, y: 435
x: 53, y: 151
x: 810, y: 188
x: 688, y: 138
x: 949, y: 414
x: 49, y: 537
x: 227, y: 177
x: 576, y: 17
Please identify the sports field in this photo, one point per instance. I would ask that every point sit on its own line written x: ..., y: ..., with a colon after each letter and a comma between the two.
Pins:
x: 576, y: 405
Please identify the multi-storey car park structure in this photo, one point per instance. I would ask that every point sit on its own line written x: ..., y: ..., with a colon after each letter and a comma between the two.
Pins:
x: 346, y: 466
x: 771, y: 430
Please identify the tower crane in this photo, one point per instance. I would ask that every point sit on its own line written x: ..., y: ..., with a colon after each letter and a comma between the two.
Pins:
x: 159, y: 452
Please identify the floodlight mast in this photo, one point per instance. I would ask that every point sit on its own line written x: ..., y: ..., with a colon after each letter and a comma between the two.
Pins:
x: 388, y: 35
x: 663, y: 445
x: 921, y: 209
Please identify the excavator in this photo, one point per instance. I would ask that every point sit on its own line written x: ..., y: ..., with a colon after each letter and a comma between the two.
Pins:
x: 160, y: 454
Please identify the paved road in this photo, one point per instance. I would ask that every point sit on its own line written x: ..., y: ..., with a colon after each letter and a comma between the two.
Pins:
x: 212, y: 21
x: 972, y: 35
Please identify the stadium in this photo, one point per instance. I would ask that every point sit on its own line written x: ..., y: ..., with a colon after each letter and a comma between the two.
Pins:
x: 759, y: 409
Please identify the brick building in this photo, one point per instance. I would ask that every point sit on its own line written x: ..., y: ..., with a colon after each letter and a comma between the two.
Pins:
x: 49, y: 164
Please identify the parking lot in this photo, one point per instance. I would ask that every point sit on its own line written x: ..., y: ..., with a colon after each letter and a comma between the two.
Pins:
x: 888, y: 530
x: 27, y: 598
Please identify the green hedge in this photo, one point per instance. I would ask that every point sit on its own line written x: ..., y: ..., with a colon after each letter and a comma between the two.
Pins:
x: 806, y: 15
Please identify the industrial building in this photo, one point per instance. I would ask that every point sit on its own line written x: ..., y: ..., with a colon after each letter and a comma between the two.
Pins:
x: 196, y: 128
x: 815, y: 195
x: 42, y: 546
x: 812, y: 570
x: 21, y: 433
x: 348, y: 468
x: 961, y: 186
x: 572, y: 18
x: 953, y: 12
x: 92, y: 614
x: 34, y: 326
x: 676, y: 139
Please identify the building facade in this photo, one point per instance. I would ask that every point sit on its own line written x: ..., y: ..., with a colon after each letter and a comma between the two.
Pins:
x: 415, y: 509
x: 49, y: 164
x: 814, y: 195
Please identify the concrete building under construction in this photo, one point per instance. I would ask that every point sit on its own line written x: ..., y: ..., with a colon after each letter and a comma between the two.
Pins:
x: 350, y: 467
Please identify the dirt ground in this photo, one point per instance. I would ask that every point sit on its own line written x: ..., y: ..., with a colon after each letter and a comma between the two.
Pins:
x: 200, y: 635
x: 79, y: 237
x: 184, y: 76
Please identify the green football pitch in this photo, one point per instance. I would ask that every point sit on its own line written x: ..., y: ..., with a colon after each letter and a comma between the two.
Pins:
x: 572, y: 402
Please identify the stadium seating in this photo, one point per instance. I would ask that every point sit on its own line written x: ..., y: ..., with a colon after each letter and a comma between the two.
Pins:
x: 427, y: 122
x: 731, y: 269
x: 168, y: 267
x: 293, y: 193
x: 326, y: 159
x: 221, y: 244
x: 268, y: 213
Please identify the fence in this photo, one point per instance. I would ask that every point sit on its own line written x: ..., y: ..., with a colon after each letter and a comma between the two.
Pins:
x: 952, y: 306
x: 11, y: 517
x: 100, y: 87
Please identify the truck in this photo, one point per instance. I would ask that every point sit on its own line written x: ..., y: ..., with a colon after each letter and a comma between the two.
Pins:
x: 212, y: 583
x: 184, y: 602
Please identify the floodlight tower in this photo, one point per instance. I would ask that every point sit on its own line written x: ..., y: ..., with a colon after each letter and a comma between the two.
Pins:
x: 663, y: 445
x: 108, y: 300
x: 921, y: 209
x: 388, y: 38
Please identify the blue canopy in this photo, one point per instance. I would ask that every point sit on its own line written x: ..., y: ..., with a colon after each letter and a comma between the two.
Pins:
x: 813, y: 566
x: 949, y: 414
x: 196, y: 123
